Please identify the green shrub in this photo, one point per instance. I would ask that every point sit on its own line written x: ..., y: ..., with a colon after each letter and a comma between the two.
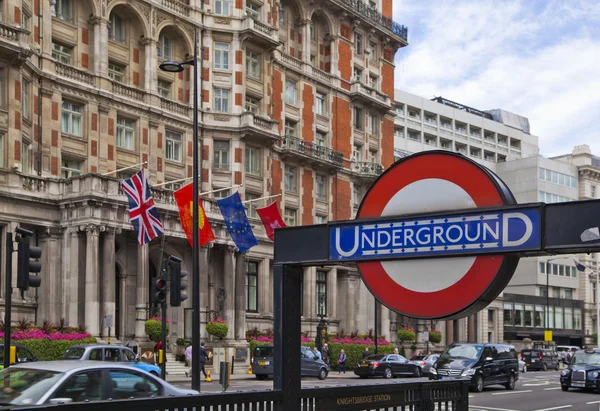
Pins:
x: 354, y: 353
x: 218, y: 328
x: 435, y: 337
x: 51, y: 350
x: 406, y: 334
x: 153, y: 329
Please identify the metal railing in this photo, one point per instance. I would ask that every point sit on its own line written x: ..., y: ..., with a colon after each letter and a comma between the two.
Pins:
x: 367, y: 168
x: 312, y: 149
x: 376, y: 17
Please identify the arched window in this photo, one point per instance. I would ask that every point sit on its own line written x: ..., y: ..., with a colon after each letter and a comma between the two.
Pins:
x: 164, y: 47
x: 117, y: 28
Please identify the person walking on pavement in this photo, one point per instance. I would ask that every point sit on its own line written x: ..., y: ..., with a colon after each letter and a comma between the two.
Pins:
x: 188, y: 359
x: 342, y: 361
x: 325, y: 354
x: 317, y: 353
x: 366, y: 353
x: 396, y: 351
x: 203, y: 358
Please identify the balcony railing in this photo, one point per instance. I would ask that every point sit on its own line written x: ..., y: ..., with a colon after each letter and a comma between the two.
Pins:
x: 312, y: 149
x: 367, y: 168
x: 375, y: 96
x: 292, y: 61
x: 322, y: 75
x: 174, y: 106
x: 177, y: 6
x: 129, y: 92
x: 9, y: 32
x: 76, y: 74
x: 376, y: 17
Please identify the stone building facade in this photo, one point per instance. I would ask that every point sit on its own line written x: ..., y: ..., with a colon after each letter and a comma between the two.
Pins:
x: 296, y: 100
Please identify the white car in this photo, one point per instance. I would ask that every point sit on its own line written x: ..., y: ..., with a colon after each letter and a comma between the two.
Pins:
x: 61, y: 382
x: 522, y: 366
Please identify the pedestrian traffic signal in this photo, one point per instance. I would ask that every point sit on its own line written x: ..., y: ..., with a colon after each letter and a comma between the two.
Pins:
x: 178, y: 282
x: 160, y: 290
x: 25, y: 266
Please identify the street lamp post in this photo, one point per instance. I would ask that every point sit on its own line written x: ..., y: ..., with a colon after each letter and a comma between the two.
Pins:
x: 547, y: 322
x: 176, y: 67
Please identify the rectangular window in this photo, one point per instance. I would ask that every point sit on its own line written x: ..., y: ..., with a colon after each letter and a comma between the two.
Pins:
x: 373, y: 124
x: 221, y: 100
x: 558, y: 317
x: 358, y: 118
x: 71, y: 118
x: 116, y: 72
x: 164, y: 47
x: 222, y: 193
x: 251, y: 206
x: 253, y: 10
x: 568, y: 318
x: 252, y: 64
x: 320, y: 219
x: 357, y: 74
x: 320, y: 107
x: 63, y: 9
x: 373, y: 52
x: 2, y: 86
x: 313, y: 60
x: 577, y: 319
x: 125, y: 133
x: 508, y: 314
x: 374, y: 82
x: 290, y: 179
x: 25, y: 99
x: 356, y: 197
x: 172, y: 186
x: 1, y: 150
x: 312, y: 32
x: 358, y: 44
x: 593, y: 191
x: 252, y: 105
x: 321, y: 187
x: 357, y: 154
x: 25, y: 160
x: 222, y: 56
x: 290, y: 128
x: 289, y: 217
x: 173, y: 146
x: 528, y: 315
x: 25, y: 20
x: 321, y: 139
x: 550, y: 315
x: 291, y: 91
x: 542, y: 267
x: 543, y: 291
x: 222, y: 7
x: 538, y: 318
x: 116, y: 29
x: 555, y: 292
x: 321, y: 293
x: 252, y: 286
x: 63, y: 54
x: 70, y: 168
x: 519, y: 315
x: 568, y: 294
x: 164, y: 88
x: 221, y: 155
x: 252, y: 160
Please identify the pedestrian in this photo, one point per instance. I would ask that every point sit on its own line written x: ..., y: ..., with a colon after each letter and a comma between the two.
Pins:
x: 325, y: 353
x: 396, y: 351
x: 366, y: 353
x: 203, y: 358
x: 188, y: 359
x: 317, y: 353
x: 342, y: 361
x: 157, y: 349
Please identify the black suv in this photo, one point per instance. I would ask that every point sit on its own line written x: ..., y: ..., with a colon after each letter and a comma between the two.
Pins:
x: 482, y: 364
x: 583, y: 371
x: 540, y: 359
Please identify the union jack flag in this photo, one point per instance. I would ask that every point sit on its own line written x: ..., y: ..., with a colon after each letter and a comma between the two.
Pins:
x: 142, y: 211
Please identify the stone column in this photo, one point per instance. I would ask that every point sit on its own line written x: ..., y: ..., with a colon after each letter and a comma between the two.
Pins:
x: 471, y: 337
x: 122, y: 304
x: 92, y: 303
x: 352, y: 300
x: 100, y: 45
x: 204, y: 286
x: 150, y: 66
x: 332, y: 293
x: 449, y: 332
x: 108, y: 279
x: 50, y: 303
x: 228, y: 313
x: 384, y: 330
x: 142, y: 284
x: 240, y: 296
x: 72, y: 283
x: 304, y: 27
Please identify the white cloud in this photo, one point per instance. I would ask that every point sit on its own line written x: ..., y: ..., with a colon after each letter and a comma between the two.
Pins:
x: 537, y: 59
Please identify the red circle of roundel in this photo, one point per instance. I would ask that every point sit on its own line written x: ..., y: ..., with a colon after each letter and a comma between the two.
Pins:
x: 457, y: 297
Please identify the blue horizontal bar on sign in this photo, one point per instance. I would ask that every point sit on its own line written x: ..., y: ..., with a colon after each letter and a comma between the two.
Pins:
x: 513, y: 230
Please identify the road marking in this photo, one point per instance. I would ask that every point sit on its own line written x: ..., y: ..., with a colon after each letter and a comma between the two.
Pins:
x: 480, y: 408
x: 511, y: 392
x: 593, y: 402
x: 553, y: 388
x: 562, y: 407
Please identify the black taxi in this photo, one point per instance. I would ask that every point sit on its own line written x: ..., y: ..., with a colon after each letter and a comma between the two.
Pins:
x: 583, y: 371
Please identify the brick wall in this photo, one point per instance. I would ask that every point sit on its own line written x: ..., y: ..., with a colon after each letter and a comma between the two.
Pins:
x: 387, y: 142
x: 307, y: 197
x: 308, y: 112
x: 342, y: 199
x: 341, y: 126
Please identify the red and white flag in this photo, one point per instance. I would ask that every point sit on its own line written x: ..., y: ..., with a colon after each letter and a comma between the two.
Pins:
x: 271, y: 219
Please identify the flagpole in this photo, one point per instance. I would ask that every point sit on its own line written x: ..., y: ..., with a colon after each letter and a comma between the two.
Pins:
x: 261, y: 198
x: 125, y: 168
x: 173, y: 181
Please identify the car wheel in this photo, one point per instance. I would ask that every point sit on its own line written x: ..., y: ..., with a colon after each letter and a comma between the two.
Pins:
x: 510, y: 385
x: 387, y: 373
x: 544, y: 367
x: 322, y: 374
x: 564, y: 387
x: 477, y: 383
x: 418, y: 372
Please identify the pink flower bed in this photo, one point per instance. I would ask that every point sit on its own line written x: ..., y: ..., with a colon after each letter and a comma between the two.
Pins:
x: 263, y: 339
x: 35, y: 334
x: 361, y: 341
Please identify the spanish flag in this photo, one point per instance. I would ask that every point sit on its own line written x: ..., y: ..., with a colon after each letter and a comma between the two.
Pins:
x: 184, y: 197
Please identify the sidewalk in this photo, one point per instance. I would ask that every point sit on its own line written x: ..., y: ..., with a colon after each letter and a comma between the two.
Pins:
x: 238, y: 375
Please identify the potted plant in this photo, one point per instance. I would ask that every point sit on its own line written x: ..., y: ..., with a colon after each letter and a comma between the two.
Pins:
x: 217, y: 328
x: 435, y: 337
x: 181, y: 345
x: 406, y: 334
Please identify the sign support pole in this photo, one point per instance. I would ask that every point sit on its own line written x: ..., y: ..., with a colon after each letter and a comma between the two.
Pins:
x: 375, y: 326
x: 8, y: 299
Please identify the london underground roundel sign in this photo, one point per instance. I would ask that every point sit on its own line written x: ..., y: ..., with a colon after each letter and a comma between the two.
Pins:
x: 445, y: 285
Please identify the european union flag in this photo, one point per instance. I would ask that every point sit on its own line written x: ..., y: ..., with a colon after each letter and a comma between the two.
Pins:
x: 237, y: 223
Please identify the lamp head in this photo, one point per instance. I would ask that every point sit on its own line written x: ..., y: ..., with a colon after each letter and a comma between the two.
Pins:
x: 171, y: 66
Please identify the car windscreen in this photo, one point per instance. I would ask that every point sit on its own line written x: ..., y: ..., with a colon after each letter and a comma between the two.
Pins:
x: 462, y: 352
x: 586, y: 358
x: 73, y: 353
x: 22, y: 386
x: 375, y: 358
x: 264, y: 351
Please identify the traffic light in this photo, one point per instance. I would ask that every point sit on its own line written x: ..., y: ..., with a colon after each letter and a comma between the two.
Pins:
x: 160, y: 290
x: 178, y: 282
x: 25, y: 266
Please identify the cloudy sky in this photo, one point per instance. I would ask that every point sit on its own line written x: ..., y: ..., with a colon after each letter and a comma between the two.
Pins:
x: 536, y: 58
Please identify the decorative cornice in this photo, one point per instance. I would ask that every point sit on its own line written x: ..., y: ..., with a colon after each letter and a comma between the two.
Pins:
x: 45, y: 92
x: 102, y: 109
x: 93, y: 20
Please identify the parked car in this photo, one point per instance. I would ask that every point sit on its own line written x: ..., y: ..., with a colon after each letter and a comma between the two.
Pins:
x: 107, y: 352
x: 566, y: 351
x: 540, y: 359
x: 583, y: 371
x: 522, y: 366
x: 425, y: 362
x: 60, y: 382
x: 386, y: 366
x: 311, y: 365
x: 23, y: 355
x: 482, y: 364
